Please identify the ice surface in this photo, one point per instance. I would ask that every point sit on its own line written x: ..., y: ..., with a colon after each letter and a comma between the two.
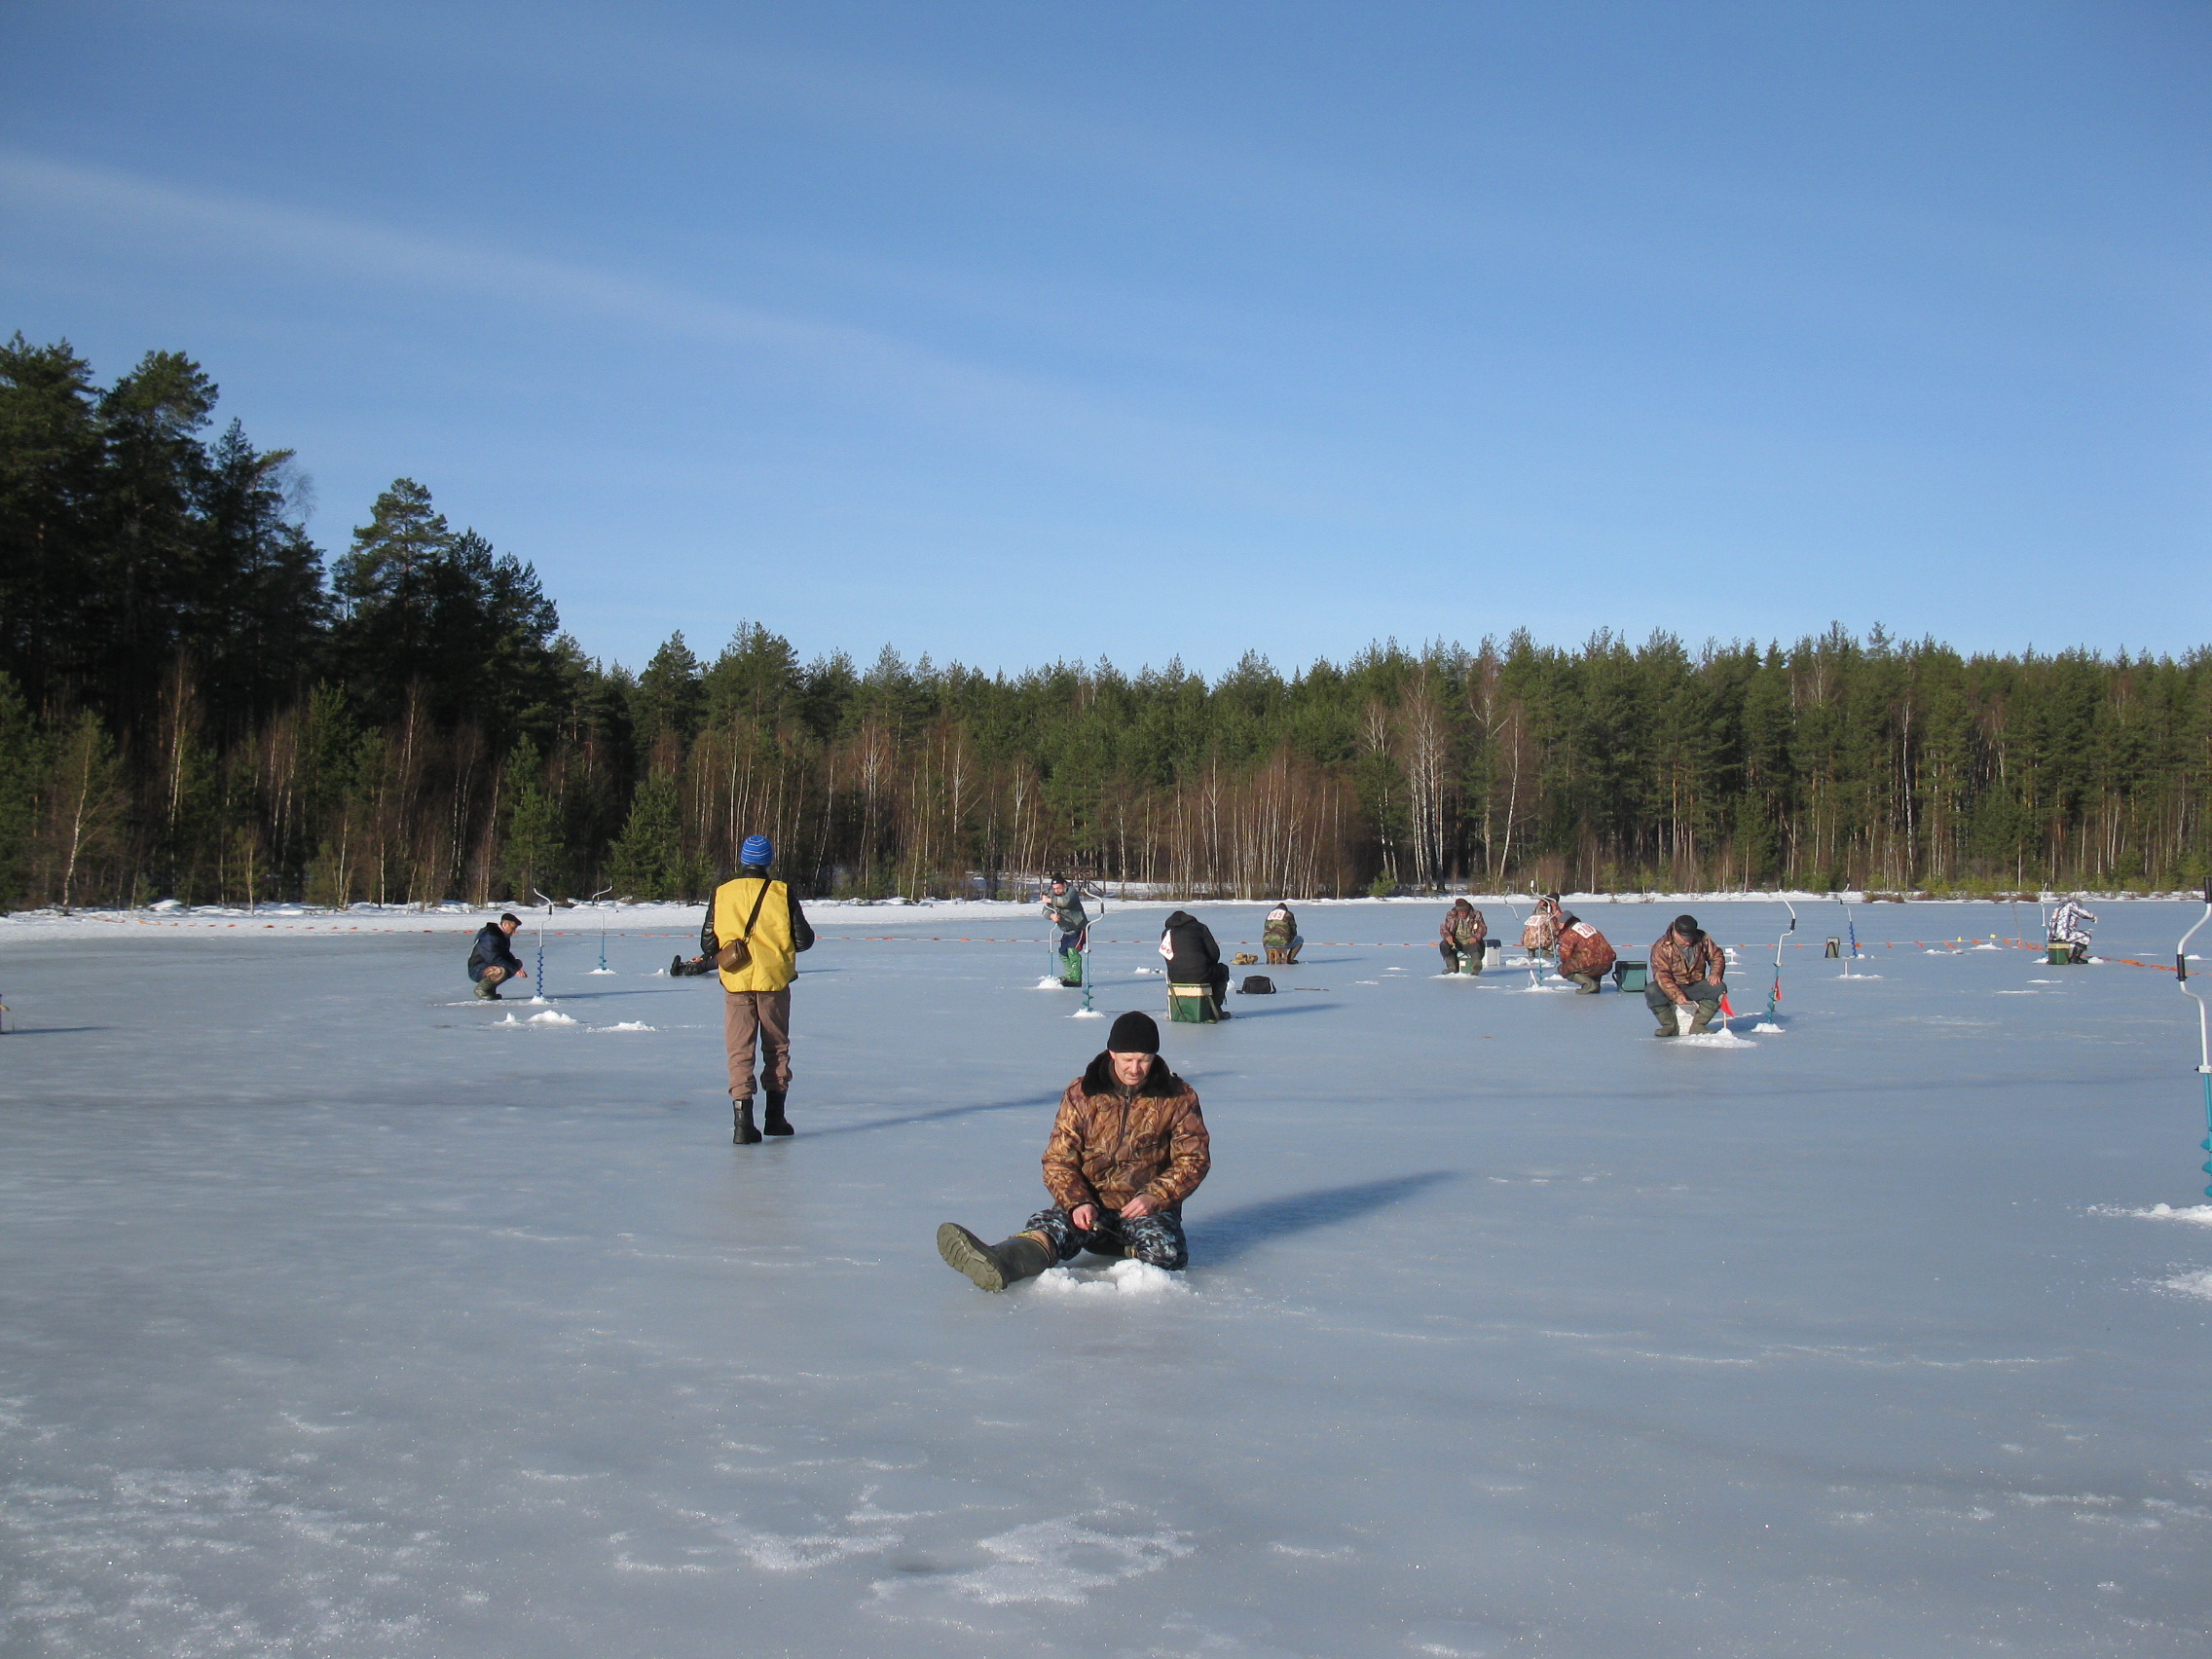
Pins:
x: 342, y: 1318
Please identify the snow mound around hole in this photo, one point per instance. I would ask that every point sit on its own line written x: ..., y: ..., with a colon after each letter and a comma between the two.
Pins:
x: 1713, y: 1040
x: 551, y: 1016
x: 1123, y: 1278
x: 625, y: 1025
x: 2199, y: 1215
x: 1766, y: 1028
x: 1086, y: 1013
x: 608, y: 972
x: 2198, y: 1283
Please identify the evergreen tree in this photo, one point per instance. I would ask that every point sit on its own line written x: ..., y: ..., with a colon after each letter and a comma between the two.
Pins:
x: 647, y: 861
x: 22, y: 766
x: 530, y: 849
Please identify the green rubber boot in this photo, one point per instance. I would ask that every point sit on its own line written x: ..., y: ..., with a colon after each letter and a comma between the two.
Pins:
x: 994, y: 1266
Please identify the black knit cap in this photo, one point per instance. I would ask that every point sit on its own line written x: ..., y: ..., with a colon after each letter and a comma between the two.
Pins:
x: 1687, y: 926
x: 1133, y: 1033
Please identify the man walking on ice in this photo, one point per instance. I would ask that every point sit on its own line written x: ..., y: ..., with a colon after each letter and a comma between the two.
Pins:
x: 753, y: 933
x: 1127, y: 1148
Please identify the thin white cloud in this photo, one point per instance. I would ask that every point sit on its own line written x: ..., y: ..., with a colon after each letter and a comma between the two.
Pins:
x: 1226, y: 470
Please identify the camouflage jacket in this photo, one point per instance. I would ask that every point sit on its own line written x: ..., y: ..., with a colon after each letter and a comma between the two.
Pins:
x: 1279, y: 929
x: 1463, y: 930
x: 1106, y: 1148
x: 1676, y: 966
x: 1583, y: 950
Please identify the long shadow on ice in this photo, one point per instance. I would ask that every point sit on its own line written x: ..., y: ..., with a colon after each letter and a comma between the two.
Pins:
x: 1287, y: 1011
x: 937, y: 1116
x: 1225, y: 1237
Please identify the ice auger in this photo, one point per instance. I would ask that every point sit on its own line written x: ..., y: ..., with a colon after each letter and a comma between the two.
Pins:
x: 1773, y: 991
x: 2203, y: 1041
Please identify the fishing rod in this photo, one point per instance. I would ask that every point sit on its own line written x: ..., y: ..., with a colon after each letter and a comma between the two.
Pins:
x: 1529, y: 957
x: 2203, y: 1040
x: 1773, y: 991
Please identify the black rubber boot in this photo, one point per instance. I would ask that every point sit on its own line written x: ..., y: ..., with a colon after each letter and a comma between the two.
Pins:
x: 741, y: 1133
x: 994, y: 1266
x: 776, y: 1123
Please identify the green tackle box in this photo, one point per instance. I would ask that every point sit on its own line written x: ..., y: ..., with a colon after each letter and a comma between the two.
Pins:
x: 1192, y: 1005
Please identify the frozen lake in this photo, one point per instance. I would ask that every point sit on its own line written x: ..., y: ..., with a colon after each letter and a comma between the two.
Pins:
x: 342, y: 1318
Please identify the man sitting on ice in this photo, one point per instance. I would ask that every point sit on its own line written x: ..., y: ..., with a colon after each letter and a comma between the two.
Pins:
x: 1463, y: 937
x: 1279, y: 935
x: 1688, y: 978
x: 2070, y: 926
x: 1194, y: 958
x: 492, y: 959
x: 1127, y: 1148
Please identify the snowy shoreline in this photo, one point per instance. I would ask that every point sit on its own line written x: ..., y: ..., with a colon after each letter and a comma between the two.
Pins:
x: 285, y: 920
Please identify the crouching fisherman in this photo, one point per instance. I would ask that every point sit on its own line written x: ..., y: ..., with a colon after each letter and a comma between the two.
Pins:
x: 1585, y: 955
x: 1127, y: 1148
x: 492, y: 958
x: 1689, y: 979
x: 1279, y: 935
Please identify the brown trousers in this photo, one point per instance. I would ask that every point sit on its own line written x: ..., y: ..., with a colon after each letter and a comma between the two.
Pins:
x: 767, y: 1015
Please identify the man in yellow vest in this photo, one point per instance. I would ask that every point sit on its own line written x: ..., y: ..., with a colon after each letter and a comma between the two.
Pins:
x: 757, y: 999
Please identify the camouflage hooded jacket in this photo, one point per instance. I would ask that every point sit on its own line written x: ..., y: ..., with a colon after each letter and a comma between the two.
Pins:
x: 1676, y: 966
x: 1583, y: 950
x: 1463, y: 928
x: 1106, y: 1148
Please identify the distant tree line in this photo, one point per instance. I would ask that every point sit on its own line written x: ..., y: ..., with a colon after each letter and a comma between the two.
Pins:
x: 194, y: 703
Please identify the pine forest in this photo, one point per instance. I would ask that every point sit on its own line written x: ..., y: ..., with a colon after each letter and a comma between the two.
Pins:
x: 197, y: 703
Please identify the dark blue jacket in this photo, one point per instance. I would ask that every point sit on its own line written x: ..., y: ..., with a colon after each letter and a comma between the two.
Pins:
x: 492, y: 950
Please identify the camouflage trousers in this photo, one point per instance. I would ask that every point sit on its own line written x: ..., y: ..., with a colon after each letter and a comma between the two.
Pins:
x: 1156, y: 1237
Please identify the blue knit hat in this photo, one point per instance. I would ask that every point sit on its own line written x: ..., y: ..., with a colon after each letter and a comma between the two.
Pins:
x: 758, y: 850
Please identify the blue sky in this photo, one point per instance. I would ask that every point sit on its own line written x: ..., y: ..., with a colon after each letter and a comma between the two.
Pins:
x: 1017, y: 333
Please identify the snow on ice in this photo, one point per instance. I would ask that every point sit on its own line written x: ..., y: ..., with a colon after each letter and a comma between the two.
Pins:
x: 334, y: 1325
